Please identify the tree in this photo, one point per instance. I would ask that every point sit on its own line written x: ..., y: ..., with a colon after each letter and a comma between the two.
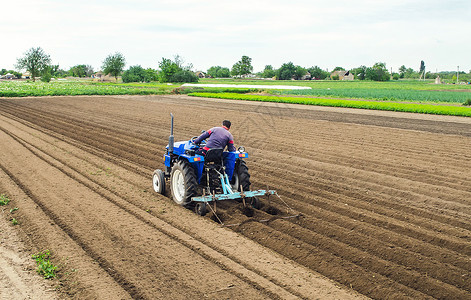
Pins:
x: 151, y: 75
x: 175, y: 71
x: 224, y: 73
x: 219, y: 72
x: 378, y: 72
x: 139, y: 74
x: 114, y: 64
x: 242, y: 67
x: 422, y: 69
x: 318, y: 73
x: 286, y: 71
x: 338, y: 69
x: 134, y: 74
x: 184, y: 76
x: 359, y: 72
x: 81, y: 71
x: 46, y: 74
x: 268, y: 72
x: 299, y: 73
x: 402, y: 71
x: 34, y: 61
x: 167, y: 69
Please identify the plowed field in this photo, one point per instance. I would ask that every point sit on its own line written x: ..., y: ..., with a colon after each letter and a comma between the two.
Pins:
x: 385, y: 200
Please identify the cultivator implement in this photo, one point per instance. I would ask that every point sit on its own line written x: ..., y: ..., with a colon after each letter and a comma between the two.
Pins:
x: 228, y: 194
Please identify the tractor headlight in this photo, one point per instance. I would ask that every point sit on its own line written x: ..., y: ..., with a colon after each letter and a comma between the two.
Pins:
x: 241, y: 149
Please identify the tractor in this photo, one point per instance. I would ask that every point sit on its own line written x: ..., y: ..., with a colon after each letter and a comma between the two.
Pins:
x: 196, y: 181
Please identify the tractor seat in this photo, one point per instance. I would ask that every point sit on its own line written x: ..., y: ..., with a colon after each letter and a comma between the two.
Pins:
x: 214, y: 155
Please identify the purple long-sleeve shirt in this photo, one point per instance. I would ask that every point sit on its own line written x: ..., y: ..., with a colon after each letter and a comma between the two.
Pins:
x: 219, y: 137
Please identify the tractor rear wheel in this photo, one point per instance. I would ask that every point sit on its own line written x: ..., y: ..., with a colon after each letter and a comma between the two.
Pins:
x: 241, y: 177
x: 158, y: 181
x: 183, y: 182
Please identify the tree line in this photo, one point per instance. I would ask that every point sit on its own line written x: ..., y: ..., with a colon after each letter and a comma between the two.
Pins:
x: 38, y: 63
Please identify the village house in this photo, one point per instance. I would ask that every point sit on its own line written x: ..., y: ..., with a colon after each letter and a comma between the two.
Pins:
x: 342, y: 74
x: 99, y: 76
x: 201, y: 74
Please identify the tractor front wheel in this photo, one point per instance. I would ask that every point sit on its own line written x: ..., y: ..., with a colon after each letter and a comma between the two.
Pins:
x: 183, y: 182
x: 158, y: 181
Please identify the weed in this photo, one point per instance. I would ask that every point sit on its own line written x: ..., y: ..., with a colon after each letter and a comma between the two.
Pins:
x: 4, y: 199
x: 14, y: 221
x: 45, y: 266
x: 13, y: 209
x: 467, y: 102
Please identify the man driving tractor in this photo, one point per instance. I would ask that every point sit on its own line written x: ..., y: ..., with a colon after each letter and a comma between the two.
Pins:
x: 219, y: 138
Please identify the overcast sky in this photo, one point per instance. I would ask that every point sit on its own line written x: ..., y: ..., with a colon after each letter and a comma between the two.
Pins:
x: 345, y: 33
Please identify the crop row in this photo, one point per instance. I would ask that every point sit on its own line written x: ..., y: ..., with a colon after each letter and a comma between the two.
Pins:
x: 25, y: 89
x: 402, y: 107
x: 356, y: 84
x: 387, y: 94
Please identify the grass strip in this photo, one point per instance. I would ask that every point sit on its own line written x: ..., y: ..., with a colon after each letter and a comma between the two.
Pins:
x: 390, y: 106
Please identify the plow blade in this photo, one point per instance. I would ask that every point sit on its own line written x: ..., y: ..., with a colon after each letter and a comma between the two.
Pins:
x: 233, y: 196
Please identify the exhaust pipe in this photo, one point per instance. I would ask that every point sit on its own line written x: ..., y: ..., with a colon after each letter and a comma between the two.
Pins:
x: 171, y: 139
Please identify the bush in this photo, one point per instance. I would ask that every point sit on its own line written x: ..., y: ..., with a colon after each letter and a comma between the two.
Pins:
x: 467, y: 102
x: 46, y: 77
x: 184, y: 76
x: 134, y: 74
x: 396, y: 76
x: 335, y: 77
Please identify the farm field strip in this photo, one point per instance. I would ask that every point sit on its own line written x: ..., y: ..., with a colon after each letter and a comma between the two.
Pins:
x: 337, y: 157
x: 322, y: 201
x: 443, y: 179
x: 380, y: 205
x: 145, y: 151
x: 456, y: 192
x: 343, y: 210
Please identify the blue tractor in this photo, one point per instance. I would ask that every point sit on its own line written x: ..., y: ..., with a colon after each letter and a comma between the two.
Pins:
x: 197, y: 181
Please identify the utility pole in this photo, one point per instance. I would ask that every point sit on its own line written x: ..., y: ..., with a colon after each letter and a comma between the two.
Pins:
x: 457, y: 75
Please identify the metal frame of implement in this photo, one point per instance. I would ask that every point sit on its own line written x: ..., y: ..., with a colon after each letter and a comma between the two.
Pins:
x: 228, y: 194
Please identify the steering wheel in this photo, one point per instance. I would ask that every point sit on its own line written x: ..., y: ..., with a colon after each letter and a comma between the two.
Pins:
x: 192, y: 140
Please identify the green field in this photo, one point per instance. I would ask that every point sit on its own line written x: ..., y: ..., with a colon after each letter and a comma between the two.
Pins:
x: 412, y: 91
x: 411, y: 96
x: 73, y: 88
x: 375, y: 105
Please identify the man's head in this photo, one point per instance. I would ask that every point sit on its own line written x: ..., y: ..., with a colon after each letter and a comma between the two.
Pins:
x: 226, y: 123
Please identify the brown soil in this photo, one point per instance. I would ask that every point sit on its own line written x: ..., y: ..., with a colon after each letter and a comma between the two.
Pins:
x: 17, y: 270
x: 384, y: 197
